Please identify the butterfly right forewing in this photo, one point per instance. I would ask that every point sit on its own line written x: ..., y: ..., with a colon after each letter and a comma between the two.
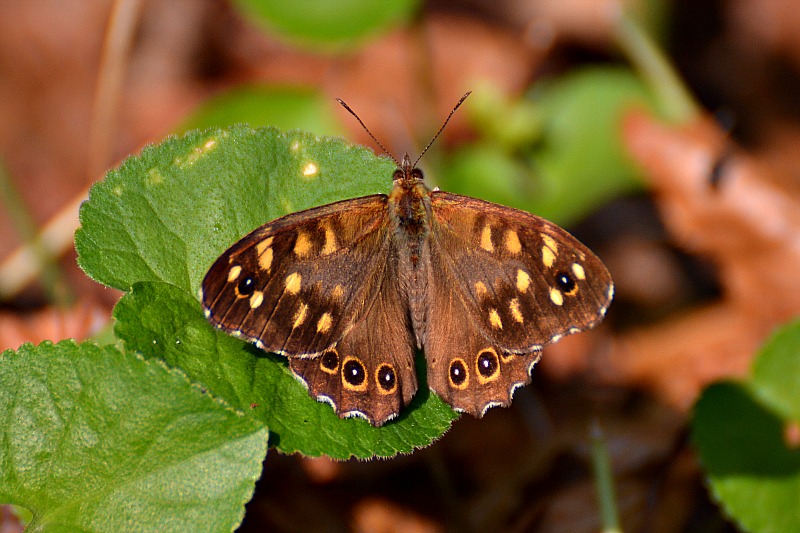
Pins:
x: 295, y: 285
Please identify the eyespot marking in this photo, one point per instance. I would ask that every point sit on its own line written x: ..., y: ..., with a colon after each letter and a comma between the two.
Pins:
x: 329, y: 362
x: 245, y: 287
x: 458, y: 376
x: 354, y: 376
x: 487, y: 365
x: 386, y: 379
x: 566, y: 284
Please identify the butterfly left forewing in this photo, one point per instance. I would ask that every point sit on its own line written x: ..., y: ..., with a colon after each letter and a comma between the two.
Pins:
x: 294, y: 285
x: 525, y: 282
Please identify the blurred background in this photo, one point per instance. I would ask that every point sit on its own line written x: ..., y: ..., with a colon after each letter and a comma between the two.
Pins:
x: 663, y: 133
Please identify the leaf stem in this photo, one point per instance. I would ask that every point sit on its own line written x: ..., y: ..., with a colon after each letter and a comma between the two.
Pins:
x: 655, y: 68
x: 604, y: 480
x: 52, y: 279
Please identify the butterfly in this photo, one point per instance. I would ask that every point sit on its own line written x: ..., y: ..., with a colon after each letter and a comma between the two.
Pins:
x: 349, y: 292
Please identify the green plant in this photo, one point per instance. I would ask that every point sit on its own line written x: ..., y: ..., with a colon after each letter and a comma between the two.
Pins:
x: 743, y: 433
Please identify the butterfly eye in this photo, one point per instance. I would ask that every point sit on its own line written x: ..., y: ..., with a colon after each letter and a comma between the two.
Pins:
x: 246, y: 286
x: 565, y: 283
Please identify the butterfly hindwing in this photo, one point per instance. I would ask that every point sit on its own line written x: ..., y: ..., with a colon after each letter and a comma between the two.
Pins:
x: 524, y: 281
x: 370, y: 371
x: 295, y: 285
x: 465, y: 369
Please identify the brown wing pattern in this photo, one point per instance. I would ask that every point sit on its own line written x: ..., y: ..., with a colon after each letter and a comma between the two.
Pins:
x: 523, y: 280
x: 465, y: 369
x: 370, y: 372
x: 296, y: 284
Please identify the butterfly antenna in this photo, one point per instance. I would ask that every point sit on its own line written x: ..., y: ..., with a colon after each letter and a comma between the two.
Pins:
x: 443, y: 126
x: 344, y: 105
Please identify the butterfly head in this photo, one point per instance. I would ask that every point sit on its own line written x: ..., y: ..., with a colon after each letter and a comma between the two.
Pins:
x: 407, y: 172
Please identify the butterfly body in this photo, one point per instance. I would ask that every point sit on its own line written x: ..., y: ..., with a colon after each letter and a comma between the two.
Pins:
x: 349, y: 292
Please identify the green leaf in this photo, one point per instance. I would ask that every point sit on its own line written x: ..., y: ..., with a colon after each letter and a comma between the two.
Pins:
x: 776, y: 372
x: 581, y: 161
x: 326, y: 23
x: 168, y: 213
x: 559, y: 153
x: 96, y: 440
x: 161, y: 320
x: 285, y: 108
x: 739, y: 431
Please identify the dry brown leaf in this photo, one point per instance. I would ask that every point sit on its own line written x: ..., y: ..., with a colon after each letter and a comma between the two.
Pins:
x: 373, y: 515
x: 746, y: 225
x: 78, y: 322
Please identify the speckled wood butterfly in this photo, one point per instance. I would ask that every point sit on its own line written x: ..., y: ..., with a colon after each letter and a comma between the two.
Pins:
x: 350, y: 290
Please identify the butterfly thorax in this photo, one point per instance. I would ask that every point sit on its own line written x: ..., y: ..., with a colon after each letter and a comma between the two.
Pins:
x: 410, y: 218
x: 410, y: 211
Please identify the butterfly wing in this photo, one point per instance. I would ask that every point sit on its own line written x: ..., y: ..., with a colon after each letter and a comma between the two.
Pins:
x: 370, y: 372
x: 465, y: 369
x: 503, y: 283
x: 524, y: 281
x: 294, y: 285
x: 318, y: 287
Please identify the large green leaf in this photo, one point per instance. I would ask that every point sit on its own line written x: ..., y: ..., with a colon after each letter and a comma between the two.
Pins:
x: 168, y: 213
x: 92, y: 439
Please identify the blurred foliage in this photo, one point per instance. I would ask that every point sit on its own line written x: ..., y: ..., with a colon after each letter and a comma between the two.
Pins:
x: 557, y: 152
x: 323, y: 24
x: 284, y: 107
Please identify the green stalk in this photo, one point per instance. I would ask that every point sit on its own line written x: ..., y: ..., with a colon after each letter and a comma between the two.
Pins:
x: 655, y: 68
x: 52, y: 279
x: 604, y: 480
